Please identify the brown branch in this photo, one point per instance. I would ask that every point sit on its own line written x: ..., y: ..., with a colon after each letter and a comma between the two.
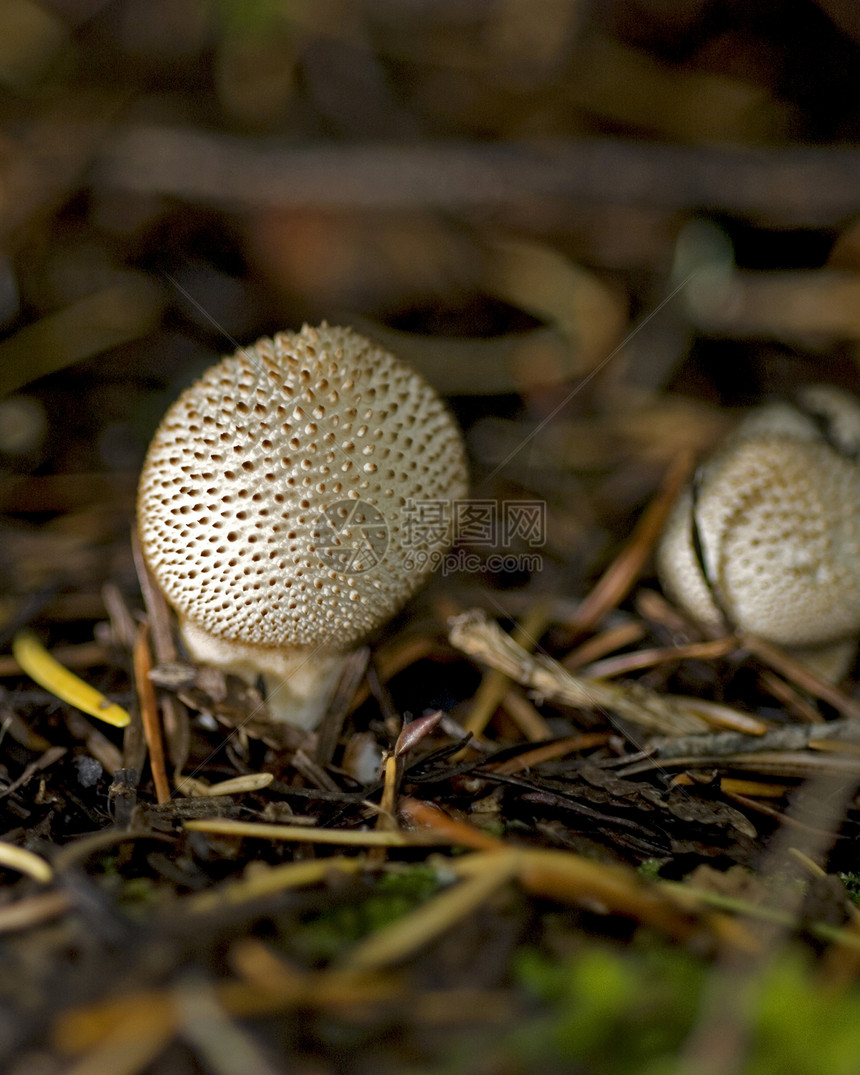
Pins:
x: 798, y: 185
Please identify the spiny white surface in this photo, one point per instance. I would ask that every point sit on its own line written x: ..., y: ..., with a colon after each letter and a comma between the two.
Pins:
x: 778, y: 515
x: 247, y: 461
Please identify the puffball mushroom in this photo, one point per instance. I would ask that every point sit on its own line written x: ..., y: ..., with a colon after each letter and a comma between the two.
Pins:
x: 273, y: 507
x: 776, y: 518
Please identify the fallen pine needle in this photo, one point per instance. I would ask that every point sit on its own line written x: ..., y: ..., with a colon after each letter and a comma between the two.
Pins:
x: 259, y: 966
x: 456, y: 831
x: 147, y: 1019
x: 41, y: 667
x: 211, y: 1032
x: 838, y: 935
x: 417, y: 928
x: 126, y: 1048
x: 494, y: 686
x: 557, y: 749
x: 571, y: 878
x: 812, y: 867
x: 837, y: 746
x: 721, y: 716
x: 757, y: 788
x: 526, y: 716
x: 598, y: 646
x: 347, y: 837
x: 816, y: 871
x: 267, y: 881
x: 475, y: 634
x: 388, y: 803
x: 625, y: 663
x: 149, y: 714
x: 616, y: 581
x: 151, y: 1015
x: 16, y: 858
x: 237, y: 785
x: 33, y: 911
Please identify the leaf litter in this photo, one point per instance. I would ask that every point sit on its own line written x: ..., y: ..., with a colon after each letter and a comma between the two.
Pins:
x: 545, y: 821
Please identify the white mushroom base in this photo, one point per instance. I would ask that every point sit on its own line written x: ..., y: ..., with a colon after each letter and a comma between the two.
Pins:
x: 832, y: 662
x: 299, y: 683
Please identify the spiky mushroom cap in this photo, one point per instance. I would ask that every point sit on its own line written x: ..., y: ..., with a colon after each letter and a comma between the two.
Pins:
x: 276, y: 503
x: 776, y: 513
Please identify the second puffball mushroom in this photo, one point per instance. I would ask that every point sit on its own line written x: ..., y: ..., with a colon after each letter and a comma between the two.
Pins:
x: 273, y: 508
x: 767, y: 539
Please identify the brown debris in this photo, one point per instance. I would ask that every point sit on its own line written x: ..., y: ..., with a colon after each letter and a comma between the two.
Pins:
x: 605, y: 233
x: 149, y: 713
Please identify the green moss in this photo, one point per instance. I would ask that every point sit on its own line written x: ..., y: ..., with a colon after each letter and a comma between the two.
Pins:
x: 852, y: 884
x: 623, y: 1010
x: 133, y: 895
x: 650, y: 868
x: 393, y: 895
x: 802, y: 1028
x: 610, y: 1011
x: 254, y: 16
x: 140, y: 893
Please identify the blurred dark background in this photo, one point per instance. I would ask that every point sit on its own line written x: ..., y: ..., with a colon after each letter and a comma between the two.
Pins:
x: 598, y: 227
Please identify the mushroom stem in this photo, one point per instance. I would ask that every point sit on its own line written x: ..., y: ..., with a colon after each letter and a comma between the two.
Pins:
x: 299, y: 682
x: 278, y: 501
x: 831, y: 662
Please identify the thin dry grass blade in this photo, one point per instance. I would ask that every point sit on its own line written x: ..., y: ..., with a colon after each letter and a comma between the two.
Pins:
x: 127, y: 1048
x: 416, y: 929
x: 33, y: 911
x: 453, y: 830
x: 26, y: 862
x: 345, y: 837
x: 526, y: 716
x: 550, y: 751
x: 648, y: 658
x: 268, y: 881
x: 608, y: 641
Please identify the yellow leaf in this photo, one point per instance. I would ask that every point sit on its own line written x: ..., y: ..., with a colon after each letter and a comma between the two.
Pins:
x: 50, y: 674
